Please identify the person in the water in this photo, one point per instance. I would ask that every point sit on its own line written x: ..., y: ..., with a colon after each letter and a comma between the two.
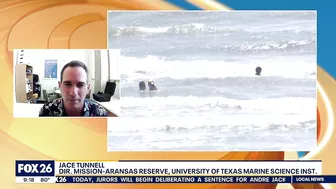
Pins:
x: 151, y: 86
x: 142, y: 86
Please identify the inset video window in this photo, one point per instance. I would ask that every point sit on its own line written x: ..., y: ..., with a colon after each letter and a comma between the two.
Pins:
x: 66, y: 83
x: 215, y: 80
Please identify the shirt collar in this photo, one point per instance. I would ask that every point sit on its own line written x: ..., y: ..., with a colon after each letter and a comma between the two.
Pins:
x: 63, y: 112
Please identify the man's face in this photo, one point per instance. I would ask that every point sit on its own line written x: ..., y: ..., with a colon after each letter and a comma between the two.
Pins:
x: 74, y: 87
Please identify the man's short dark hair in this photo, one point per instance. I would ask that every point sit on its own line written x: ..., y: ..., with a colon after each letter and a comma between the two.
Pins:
x: 74, y: 63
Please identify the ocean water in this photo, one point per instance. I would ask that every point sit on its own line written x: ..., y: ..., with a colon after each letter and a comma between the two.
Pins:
x: 209, y: 97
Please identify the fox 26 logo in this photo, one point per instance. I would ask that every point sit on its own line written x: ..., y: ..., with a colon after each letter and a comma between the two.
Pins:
x: 34, y: 168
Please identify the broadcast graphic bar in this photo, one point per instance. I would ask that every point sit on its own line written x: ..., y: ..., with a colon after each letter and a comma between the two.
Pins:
x: 51, y: 171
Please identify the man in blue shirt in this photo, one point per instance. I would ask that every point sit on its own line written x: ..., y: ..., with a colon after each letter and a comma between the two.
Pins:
x: 74, y: 87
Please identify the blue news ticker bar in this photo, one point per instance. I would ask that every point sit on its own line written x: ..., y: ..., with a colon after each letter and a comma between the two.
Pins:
x: 174, y: 179
x: 31, y: 168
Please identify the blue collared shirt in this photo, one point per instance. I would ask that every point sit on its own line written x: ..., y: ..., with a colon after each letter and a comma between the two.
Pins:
x: 55, y: 108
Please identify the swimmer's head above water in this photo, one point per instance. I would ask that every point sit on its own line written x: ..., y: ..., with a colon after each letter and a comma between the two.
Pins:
x: 142, y: 86
x: 151, y: 85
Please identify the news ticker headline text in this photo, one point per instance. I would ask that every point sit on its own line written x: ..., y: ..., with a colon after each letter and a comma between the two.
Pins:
x: 179, y: 179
